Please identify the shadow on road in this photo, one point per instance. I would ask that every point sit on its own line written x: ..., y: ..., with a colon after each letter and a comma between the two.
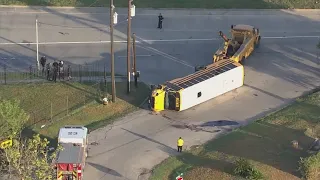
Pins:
x: 105, y: 169
x: 219, y: 123
x: 164, y: 147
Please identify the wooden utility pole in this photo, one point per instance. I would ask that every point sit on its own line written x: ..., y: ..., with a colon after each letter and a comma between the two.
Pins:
x: 134, y: 60
x: 37, y: 42
x: 128, y: 45
x: 113, y: 82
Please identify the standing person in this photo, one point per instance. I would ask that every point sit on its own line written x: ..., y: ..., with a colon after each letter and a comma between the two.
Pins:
x: 55, y: 70
x: 61, y: 70
x: 48, y: 71
x: 160, y: 19
x: 43, y: 61
x: 180, y: 144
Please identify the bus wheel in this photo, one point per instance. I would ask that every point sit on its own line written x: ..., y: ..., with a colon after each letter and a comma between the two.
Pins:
x: 258, y: 42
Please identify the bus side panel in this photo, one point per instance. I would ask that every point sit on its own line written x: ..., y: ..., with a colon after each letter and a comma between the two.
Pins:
x: 211, y: 88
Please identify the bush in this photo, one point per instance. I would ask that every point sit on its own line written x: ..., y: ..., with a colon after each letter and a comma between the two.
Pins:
x: 310, y: 167
x: 246, y: 170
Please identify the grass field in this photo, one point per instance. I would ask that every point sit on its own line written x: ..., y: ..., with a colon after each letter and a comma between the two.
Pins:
x: 266, y: 143
x: 208, y: 4
x: 72, y: 104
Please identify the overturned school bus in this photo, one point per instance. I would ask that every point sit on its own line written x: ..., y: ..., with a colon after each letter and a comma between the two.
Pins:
x: 245, y: 39
x: 209, y: 82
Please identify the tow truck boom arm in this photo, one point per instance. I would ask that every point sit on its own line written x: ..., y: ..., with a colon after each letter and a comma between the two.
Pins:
x: 223, y: 36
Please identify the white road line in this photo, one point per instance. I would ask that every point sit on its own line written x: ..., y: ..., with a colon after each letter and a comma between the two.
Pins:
x: 146, y: 40
x: 143, y: 40
x: 66, y: 42
x: 288, y: 37
x: 178, y: 40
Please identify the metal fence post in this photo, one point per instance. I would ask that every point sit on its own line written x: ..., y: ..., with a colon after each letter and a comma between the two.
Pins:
x: 51, y: 111
x: 5, y: 74
x: 80, y: 73
x: 105, y: 79
x: 30, y: 70
x: 67, y: 105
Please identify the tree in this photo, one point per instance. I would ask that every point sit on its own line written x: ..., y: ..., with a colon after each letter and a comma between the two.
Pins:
x: 29, y: 159
x: 12, y: 118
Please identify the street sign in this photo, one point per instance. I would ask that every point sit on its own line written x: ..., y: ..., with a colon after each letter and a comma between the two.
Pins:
x: 115, y: 18
x: 133, y: 10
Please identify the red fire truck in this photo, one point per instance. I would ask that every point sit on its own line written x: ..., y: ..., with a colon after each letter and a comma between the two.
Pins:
x: 70, y: 161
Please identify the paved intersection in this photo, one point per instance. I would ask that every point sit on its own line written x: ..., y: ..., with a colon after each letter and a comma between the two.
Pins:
x: 285, y: 66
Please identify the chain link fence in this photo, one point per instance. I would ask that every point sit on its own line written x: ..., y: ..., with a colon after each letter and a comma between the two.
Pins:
x: 76, y: 73
x: 64, y: 105
x: 48, y: 102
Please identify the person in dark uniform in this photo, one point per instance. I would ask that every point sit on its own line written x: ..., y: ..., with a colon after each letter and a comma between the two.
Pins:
x: 43, y: 61
x: 48, y: 71
x: 61, y: 70
x: 160, y: 19
x: 55, y: 70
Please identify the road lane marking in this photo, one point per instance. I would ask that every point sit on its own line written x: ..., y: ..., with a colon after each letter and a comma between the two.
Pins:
x: 61, y: 42
x: 146, y: 40
x: 288, y: 37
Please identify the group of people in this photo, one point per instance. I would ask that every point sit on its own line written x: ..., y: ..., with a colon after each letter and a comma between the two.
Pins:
x: 53, y: 70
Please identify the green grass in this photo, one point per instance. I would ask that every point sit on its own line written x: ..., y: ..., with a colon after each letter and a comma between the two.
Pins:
x: 95, y: 115
x: 209, y: 4
x: 266, y: 143
x: 83, y: 108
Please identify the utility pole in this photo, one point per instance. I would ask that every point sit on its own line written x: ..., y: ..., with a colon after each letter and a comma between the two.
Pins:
x: 37, y: 42
x: 113, y: 83
x: 134, y: 60
x: 128, y: 45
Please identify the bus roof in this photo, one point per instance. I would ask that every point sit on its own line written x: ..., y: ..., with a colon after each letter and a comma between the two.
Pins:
x: 202, y: 75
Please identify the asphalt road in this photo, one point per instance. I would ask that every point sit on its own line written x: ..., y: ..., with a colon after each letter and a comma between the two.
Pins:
x: 284, y: 67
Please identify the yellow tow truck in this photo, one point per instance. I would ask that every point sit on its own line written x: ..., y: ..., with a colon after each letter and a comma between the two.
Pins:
x: 245, y: 39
